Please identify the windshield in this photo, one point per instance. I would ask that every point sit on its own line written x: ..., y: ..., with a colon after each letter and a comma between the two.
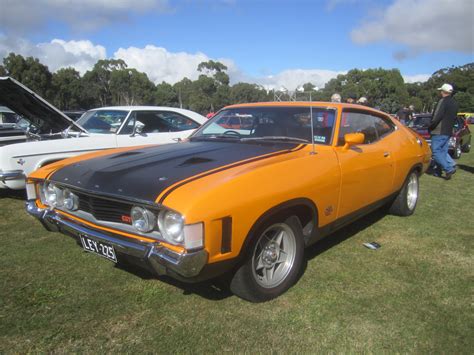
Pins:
x: 272, y: 123
x: 102, y: 121
x: 420, y: 121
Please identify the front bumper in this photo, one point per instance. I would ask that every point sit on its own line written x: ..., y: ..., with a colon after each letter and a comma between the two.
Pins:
x: 9, y: 175
x: 152, y: 256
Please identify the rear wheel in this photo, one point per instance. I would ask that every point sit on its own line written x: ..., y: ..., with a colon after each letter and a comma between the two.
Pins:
x: 467, y: 147
x: 273, y: 263
x: 406, y: 200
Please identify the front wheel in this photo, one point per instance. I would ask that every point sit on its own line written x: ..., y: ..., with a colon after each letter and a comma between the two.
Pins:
x: 273, y: 263
x: 406, y: 200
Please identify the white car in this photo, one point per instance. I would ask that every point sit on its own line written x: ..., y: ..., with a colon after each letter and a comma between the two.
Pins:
x: 59, y: 137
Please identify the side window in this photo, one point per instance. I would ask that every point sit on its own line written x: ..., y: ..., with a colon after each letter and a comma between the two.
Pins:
x: 373, y: 127
x: 159, y: 122
x: 383, y: 127
x: 357, y: 122
x: 128, y: 127
x: 175, y: 122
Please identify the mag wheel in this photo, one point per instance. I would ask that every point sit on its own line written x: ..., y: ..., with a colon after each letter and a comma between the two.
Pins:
x: 406, y: 200
x: 273, y: 263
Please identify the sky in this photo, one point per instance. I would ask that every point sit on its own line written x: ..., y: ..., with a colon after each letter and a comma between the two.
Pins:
x: 272, y: 43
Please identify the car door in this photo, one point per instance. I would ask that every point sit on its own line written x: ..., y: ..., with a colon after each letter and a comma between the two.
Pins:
x: 367, y: 170
x: 159, y: 127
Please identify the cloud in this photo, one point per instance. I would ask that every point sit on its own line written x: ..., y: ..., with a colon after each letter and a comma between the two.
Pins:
x: 292, y: 78
x: 422, y: 25
x: 416, y: 78
x: 25, y: 16
x: 57, y: 54
x: 161, y: 65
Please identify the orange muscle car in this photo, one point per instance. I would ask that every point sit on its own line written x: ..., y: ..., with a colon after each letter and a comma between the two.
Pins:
x: 246, y: 200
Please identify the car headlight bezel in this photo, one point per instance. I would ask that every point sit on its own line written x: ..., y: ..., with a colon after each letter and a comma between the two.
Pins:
x: 143, y: 220
x: 171, y: 226
x: 51, y: 194
x: 70, y: 200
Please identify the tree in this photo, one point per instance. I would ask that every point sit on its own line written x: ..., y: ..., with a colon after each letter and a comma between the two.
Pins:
x: 184, y: 90
x: 462, y: 78
x: 67, y: 89
x: 244, y: 92
x: 166, y: 95
x: 98, y: 79
x: 385, y: 89
x: 30, y: 72
x: 130, y: 87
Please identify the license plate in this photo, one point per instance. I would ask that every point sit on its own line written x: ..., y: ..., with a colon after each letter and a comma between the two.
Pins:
x: 99, y: 248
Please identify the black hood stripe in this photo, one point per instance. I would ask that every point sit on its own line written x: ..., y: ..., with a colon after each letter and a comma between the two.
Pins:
x: 148, y: 173
x: 167, y: 192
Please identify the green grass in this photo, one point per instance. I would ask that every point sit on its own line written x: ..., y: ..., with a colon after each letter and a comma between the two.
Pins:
x: 415, y: 294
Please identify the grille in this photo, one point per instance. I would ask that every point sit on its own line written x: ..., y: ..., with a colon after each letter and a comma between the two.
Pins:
x: 102, y: 209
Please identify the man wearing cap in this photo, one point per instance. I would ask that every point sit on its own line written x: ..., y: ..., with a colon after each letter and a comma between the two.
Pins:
x: 441, y: 129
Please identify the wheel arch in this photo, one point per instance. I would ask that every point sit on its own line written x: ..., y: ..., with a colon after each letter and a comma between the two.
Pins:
x: 303, y: 208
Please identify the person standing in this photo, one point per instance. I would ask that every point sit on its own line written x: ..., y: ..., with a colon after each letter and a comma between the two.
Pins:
x: 441, y: 129
x: 336, y: 97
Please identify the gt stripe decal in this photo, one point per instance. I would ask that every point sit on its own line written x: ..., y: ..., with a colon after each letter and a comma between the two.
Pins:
x: 170, y: 189
x: 91, y: 155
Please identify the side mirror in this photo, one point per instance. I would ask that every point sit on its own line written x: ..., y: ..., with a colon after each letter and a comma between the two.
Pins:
x: 137, y: 129
x: 353, y: 139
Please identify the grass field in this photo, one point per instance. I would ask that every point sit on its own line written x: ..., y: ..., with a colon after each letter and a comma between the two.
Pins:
x: 415, y: 294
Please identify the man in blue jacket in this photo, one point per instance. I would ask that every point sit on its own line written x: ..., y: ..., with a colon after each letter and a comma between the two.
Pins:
x: 441, y: 129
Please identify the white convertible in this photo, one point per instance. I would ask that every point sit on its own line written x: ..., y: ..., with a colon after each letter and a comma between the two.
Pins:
x: 57, y: 137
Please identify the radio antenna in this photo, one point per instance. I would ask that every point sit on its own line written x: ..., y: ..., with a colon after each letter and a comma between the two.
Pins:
x: 313, y: 151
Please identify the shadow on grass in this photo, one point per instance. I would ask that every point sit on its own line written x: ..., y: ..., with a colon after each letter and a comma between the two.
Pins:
x: 215, y: 290
x: 13, y: 194
x: 345, y: 233
x: 467, y: 168
x: 219, y: 288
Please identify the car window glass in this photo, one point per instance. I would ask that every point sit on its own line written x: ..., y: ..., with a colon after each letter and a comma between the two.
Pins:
x: 159, y: 122
x: 383, y: 127
x: 103, y: 121
x: 257, y: 122
x: 357, y: 122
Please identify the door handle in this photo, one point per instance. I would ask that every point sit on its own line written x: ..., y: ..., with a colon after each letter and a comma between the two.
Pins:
x: 386, y: 154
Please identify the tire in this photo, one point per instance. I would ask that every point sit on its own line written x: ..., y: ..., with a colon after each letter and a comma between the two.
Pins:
x: 457, y: 151
x: 273, y: 263
x: 467, y: 147
x: 406, y: 200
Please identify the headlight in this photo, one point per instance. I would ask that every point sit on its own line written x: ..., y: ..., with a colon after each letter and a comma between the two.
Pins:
x: 171, y: 226
x: 52, y: 195
x: 70, y: 200
x: 143, y: 220
x: 452, y: 141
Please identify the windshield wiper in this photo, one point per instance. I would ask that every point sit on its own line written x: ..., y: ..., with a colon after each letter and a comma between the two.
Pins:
x: 275, y: 138
x: 217, y: 136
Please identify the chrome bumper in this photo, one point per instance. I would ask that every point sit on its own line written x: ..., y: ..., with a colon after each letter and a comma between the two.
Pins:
x: 162, y: 260
x: 11, y: 175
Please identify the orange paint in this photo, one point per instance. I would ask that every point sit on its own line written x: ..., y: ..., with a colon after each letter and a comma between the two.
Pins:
x: 337, y: 180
